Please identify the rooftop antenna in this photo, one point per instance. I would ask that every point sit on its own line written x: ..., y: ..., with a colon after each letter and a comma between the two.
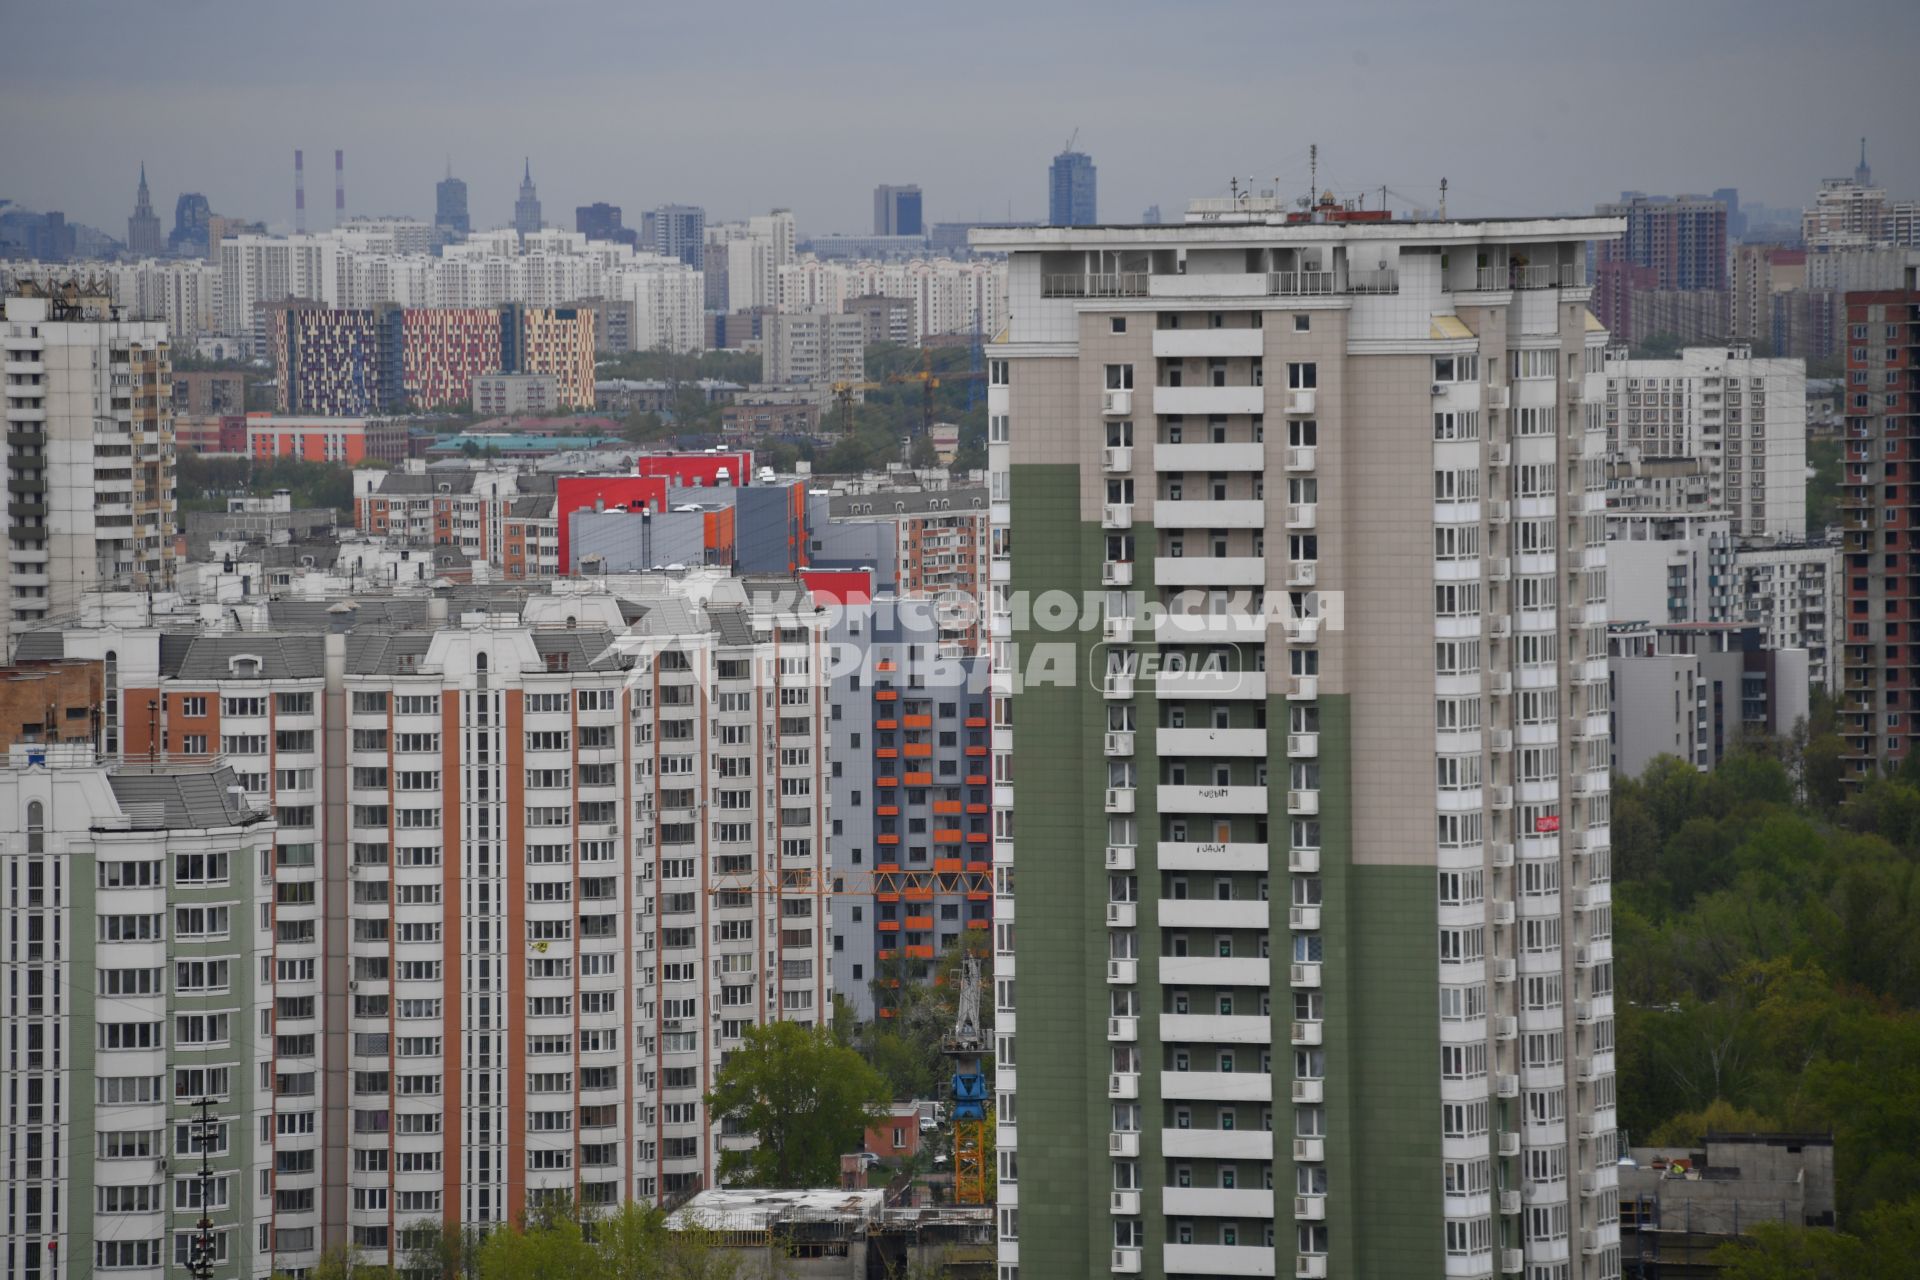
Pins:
x: 1443, y: 199
x: 339, y: 187
x: 300, y: 191
x: 1071, y: 139
x: 1313, y: 174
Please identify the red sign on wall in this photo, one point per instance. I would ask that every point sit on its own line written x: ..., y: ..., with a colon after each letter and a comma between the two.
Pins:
x: 1546, y: 824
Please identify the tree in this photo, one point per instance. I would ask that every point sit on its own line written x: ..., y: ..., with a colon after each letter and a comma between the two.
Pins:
x: 1884, y: 1249
x: 549, y: 1250
x: 805, y: 1098
x: 436, y: 1250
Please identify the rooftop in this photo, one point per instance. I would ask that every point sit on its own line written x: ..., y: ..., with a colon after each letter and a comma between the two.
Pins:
x: 728, y: 1209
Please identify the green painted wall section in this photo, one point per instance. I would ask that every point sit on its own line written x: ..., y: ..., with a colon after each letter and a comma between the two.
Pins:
x: 1061, y: 1046
x: 1382, y: 1018
x: 1382, y: 1042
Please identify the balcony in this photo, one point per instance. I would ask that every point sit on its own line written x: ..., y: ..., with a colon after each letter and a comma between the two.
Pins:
x: 1203, y: 401
x: 1211, y: 742
x: 1099, y: 284
x: 1216, y: 971
x: 1218, y: 856
x: 1218, y: 1260
x: 1117, y: 515
x: 1310, y: 1266
x: 1310, y: 1208
x: 1301, y: 457
x: 1217, y: 1144
x: 1216, y: 1086
x: 1124, y: 1145
x: 1123, y: 972
x: 1218, y: 913
x: 1120, y: 743
x: 1117, y: 630
x: 1117, y: 458
x: 1120, y: 915
x: 1307, y: 1092
x: 1303, y: 804
x: 1303, y: 688
x: 1300, y: 402
x: 1304, y: 746
x: 1246, y: 456
x: 1124, y: 1203
x: 1309, y: 1150
x: 1121, y: 857
x: 1303, y: 862
x: 1117, y: 685
x: 1247, y: 798
x: 1301, y: 284
x: 1308, y: 1033
x: 1304, y: 975
x: 1176, y: 628
x: 1203, y: 344
x: 1303, y: 918
x: 1126, y: 1262
x: 1116, y: 403
x: 1120, y: 799
x: 1123, y: 1085
x: 1210, y: 513
x: 1194, y: 686
x: 1123, y: 1030
x: 1116, y: 573
x: 1217, y: 1202
x: 1303, y: 515
x: 1210, y: 571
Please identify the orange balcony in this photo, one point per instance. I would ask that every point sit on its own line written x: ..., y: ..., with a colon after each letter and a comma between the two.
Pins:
x: 885, y: 664
x: 976, y: 779
x: 886, y: 724
x: 946, y: 835
x: 885, y: 753
x: 979, y: 924
x: 887, y: 810
x: 919, y: 953
x: 946, y: 866
x: 919, y: 893
x: 919, y: 779
x: 977, y: 808
x: 886, y: 782
x: 886, y: 955
x: 889, y: 926
x: 976, y: 752
x: 919, y: 922
x: 977, y: 837
x: 918, y: 750
x: 886, y: 695
x: 946, y: 806
x: 888, y: 839
x: 917, y: 722
x: 886, y: 1013
x: 976, y: 722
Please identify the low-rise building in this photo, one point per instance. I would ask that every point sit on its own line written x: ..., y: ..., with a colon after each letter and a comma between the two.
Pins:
x: 58, y: 701
x: 336, y: 440
x: 508, y: 393
x: 1680, y: 1204
x: 1693, y: 690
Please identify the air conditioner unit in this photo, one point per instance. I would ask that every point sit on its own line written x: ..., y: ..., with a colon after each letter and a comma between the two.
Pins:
x: 1439, y: 388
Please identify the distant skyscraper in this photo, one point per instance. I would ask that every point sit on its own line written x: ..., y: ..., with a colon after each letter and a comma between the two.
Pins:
x: 601, y: 221
x: 1862, y: 173
x: 526, y: 210
x: 896, y: 211
x: 1152, y: 216
x: 192, y: 215
x: 450, y: 204
x: 680, y: 231
x: 1070, y: 191
x: 143, y: 228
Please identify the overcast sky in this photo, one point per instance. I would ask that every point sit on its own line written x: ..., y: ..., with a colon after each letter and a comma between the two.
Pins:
x: 744, y: 105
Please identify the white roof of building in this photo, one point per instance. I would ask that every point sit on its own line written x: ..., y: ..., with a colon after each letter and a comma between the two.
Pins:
x: 754, y: 1210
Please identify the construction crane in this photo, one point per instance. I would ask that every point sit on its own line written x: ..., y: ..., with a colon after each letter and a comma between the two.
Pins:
x: 967, y: 1046
x: 844, y: 392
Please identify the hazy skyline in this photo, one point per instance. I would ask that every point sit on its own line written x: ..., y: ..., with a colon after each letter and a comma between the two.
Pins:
x: 755, y: 104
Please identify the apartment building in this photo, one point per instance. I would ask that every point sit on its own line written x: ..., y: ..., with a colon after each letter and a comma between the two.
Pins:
x: 90, y: 459
x: 140, y: 972
x: 911, y: 808
x: 1793, y: 591
x: 814, y: 347
x: 1695, y: 689
x: 1744, y: 420
x: 930, y: 544
x: 1881, y: 659
x: 1307, y: 970
x: 540, y: 861
x: 1670, y: 567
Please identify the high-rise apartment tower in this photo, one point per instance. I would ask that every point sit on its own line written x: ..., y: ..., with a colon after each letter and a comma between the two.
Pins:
x: 1312, y: 923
